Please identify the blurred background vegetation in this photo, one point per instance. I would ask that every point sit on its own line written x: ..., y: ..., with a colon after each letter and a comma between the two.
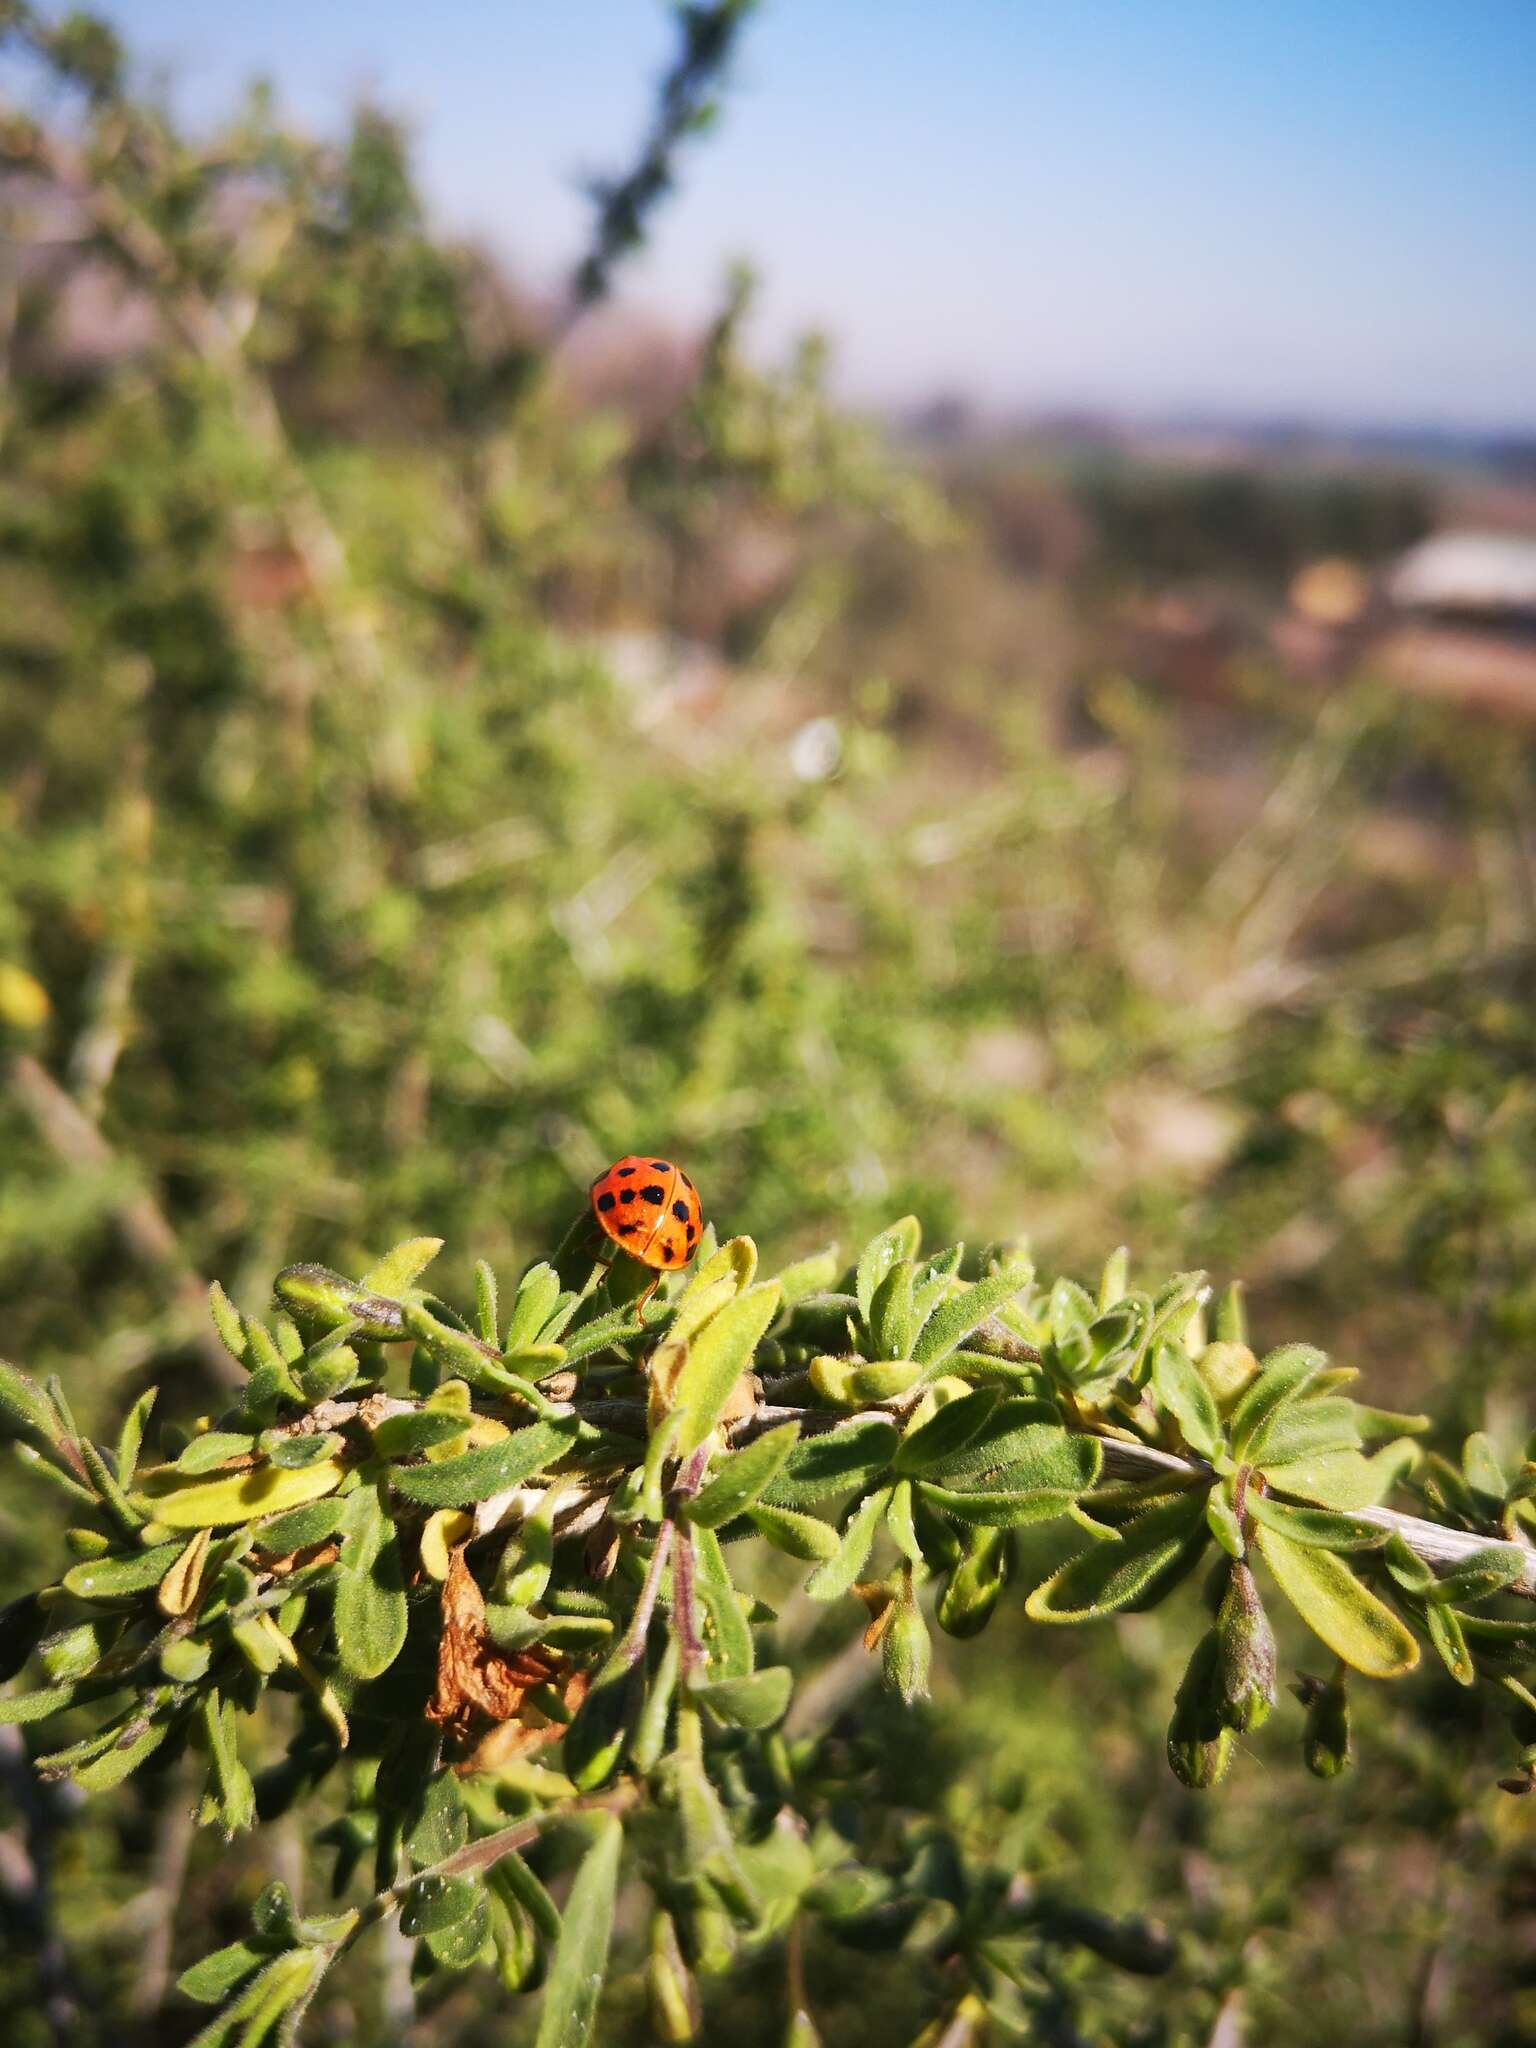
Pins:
x: 439, y: 755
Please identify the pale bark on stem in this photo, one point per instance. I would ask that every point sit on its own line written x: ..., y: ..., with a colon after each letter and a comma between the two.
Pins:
x: 1439, y: 1546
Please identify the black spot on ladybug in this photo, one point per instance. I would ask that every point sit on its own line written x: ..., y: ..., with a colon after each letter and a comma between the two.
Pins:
x: 692, y: 1233
x: 605, y: 1203
x: 667, y: 1253
x: 653, y: 1195
x: 625, y: 1172
x: 661, y: 1166
x: 680, y: 1211
x: 626, y: 1195
x: 628, y: 1229
x: 687, y: 1183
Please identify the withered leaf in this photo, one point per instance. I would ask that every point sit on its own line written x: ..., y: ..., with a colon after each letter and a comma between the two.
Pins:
x: 475, y: 1680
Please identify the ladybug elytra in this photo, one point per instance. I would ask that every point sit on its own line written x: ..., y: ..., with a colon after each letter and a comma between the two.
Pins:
x: 650, y: 1209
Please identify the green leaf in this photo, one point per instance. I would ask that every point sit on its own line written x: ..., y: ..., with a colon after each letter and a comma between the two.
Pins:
x: 242, y: 1497
x: 407, y: 1436
x: 217, y: 1975
x: 226, y: 1320
x: 488, y: 1469
x: 102, y: 1772
x: 258, y: 2012
x: 1484, y: 1572
x: 901, y: 1522
x: 511, y: 1875
x: 464, y: 1942
x: 836, y: 1461
x: 41, y: 1705
x: 439, y: 1824
x: 717, y: 1356
x: 116, y: 1578
x: 25, y: 1408
x: 899, y: 1241
x: 1337, y: 1607
x: 955, y: 1320
x: 806, y: 1537
x: 1408, y: 1568
x: 1283, y: 1375
x: 1026, y: 1457
x: 1308, y: 1428
x: 1480, y: 1464
x: 581, y: 1954
x: 1187, y: 1399
x: 1222, y: 1521
x: 433, y: 1903
x: 740, y: 1478
x: 890, y: 1312
x: 1151, y: 1553
x: 1345, y: 1479
x: 937, y: 1443
x: 487, y: 1308
x: 587, y: 1339
x: 1444, y: 1632
x: 808, y: 1276
x: 131, y: 1437
x: 851, y: 1383
x: 291, y: 1453
x: 1008, y: 1436
x: 370, y: 1605
x: 1326, y: 1528
x: 1045, y: 1481
x: 399, y: 1268
x: 300, y: 1527
x: 538, y: 1292
x: 53, y: 1466
x: 830, y: 1581
x: 732, y: 1650
x: 757, y: 1702
x: 215, y: 1447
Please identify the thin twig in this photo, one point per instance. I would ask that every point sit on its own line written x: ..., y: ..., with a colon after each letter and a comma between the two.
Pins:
x: 25, y: 1860
x: 174, y: 1828
x: 72, y: 1137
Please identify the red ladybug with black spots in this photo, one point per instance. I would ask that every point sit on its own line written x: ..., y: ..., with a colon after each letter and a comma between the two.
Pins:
x: 650, y: 1209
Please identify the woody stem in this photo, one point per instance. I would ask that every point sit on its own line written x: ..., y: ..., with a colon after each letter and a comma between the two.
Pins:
x: 632, y: 1649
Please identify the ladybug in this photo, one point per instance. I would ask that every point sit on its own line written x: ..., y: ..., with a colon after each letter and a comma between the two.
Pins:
x: 650, y: 1209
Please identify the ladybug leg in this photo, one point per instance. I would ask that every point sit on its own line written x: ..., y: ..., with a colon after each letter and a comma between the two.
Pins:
x: 642, y: 1299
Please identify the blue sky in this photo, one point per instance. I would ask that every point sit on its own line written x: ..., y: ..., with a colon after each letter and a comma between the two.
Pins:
x: 1322, y: 207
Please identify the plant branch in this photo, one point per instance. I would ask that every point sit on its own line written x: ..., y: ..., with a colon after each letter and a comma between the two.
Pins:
x: 72, y: 1137
x: 1438, y: 1545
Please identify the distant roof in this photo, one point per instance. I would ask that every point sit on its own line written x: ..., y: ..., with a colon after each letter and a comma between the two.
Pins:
x: 1484, y: 572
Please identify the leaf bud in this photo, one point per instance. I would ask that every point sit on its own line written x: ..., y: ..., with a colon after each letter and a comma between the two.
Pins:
x: 906, y: 1645
x: 319, y: 1299
x: 1325, y: 1735
x: 1246, y: 1652
x: 977, y: 1581
x: 1199, y: 1738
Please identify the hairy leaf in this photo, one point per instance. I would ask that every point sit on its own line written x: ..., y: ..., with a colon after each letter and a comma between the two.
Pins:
x: 717, y: 1356
x: 581, y: 1954
x: 370, y: 1608
x: 491, y: 1468
x: 954, y: 1320
x: 1151, y: 1554
x: 740, y: 1478
x: 214, y: 1503
x: 1284, y: 1374
x: 1337, y: 1607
